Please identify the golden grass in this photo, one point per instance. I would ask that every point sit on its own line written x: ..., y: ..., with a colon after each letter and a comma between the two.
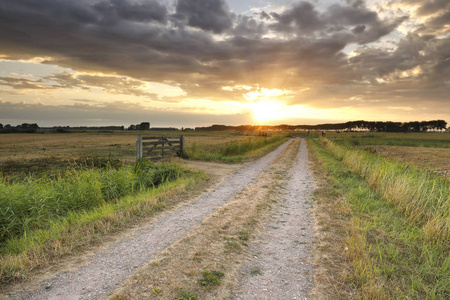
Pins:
x: 433, y: 159
x: 66, y: 146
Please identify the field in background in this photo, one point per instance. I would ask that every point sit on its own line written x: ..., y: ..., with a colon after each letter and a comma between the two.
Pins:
x: 36, y: 153
x: 429, y: 151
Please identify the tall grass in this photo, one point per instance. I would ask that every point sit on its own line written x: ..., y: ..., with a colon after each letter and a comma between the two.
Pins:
x: 34, y: 203
x: 422, y: 197
x: 390, y: 255
x: 234, y: 151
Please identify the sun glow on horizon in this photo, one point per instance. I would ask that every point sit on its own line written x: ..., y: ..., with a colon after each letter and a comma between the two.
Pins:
x: 266, y: 110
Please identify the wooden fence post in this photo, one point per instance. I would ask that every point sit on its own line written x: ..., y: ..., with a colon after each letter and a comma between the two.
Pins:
x: 139, y: 147
x: 182, y: 146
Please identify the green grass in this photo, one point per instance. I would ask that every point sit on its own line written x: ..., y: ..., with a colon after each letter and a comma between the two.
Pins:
x: 43, y: 236
x: 211, y: 278
x: 32, y: 204
x: 236, y: 151
x: 186, y: 295
x: 392, y: 253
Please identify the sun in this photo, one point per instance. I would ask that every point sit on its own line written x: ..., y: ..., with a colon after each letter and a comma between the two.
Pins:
x: 268, y: 110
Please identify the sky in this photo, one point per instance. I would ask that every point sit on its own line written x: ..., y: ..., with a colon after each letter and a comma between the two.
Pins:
x: 187, y: 63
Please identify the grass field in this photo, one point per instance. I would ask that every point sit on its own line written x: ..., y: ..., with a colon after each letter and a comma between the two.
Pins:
x: 384, y: 216
x: 430, y: 151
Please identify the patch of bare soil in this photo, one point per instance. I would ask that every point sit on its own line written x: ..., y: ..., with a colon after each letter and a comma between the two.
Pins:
x: 260, y: 242
x: 95, y: 275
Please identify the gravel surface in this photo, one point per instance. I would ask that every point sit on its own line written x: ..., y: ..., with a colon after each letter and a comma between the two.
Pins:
x: 280, y: 264
x: 108, y: 268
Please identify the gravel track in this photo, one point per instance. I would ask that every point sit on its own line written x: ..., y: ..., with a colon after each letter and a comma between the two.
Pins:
x: 280, y: 268
x: 111, y: 266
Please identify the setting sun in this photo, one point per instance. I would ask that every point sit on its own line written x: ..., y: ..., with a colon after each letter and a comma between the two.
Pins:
x: 268, y: 111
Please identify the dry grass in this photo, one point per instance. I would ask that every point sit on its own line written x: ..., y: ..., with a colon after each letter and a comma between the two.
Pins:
x: 38, y: 153
x: 218, y: 244
x: 65, y: 146
x: 332, y: 214
x: 433, y: 159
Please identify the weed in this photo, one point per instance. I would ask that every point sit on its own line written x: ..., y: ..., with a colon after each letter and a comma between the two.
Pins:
x: 211, y: 278
x: 244, y: 235
x: 231, y: 246
x: 256, y: 272
x: 186, y: 295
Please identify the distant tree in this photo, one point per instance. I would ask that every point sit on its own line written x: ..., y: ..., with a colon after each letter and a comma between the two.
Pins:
x: 1, y: 126
x: 144, y: 126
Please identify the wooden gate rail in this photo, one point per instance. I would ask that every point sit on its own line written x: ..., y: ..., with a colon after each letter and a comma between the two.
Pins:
x: 157, y: 147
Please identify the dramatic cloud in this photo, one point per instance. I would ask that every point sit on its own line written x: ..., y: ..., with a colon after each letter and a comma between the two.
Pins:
x: 175, y: 51
x: 212, y: 15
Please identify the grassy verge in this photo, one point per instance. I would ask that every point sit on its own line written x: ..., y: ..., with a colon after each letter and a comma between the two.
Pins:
x: 236, y: 151
x: 377, y: 251
x: 422, y: 197
x: 96, y: 204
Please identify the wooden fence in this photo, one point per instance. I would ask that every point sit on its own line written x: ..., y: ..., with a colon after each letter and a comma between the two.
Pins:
x: 157, y: 147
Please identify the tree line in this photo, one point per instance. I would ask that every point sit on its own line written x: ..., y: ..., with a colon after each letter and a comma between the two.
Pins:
x: 377, y: 126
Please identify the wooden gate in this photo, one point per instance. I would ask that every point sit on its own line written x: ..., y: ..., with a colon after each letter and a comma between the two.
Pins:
x: 157, y: 147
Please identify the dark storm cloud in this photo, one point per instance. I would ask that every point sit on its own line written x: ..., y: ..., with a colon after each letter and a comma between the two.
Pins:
x: 414, y: 51
x: 353, y: 23
x: 146, y: 40
x: 302, y: 16
x: 123, y: 9
x: 211, y: 15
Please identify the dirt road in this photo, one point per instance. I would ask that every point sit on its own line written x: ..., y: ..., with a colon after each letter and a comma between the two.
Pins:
x: 281, y: 260
x: 198, y: 229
